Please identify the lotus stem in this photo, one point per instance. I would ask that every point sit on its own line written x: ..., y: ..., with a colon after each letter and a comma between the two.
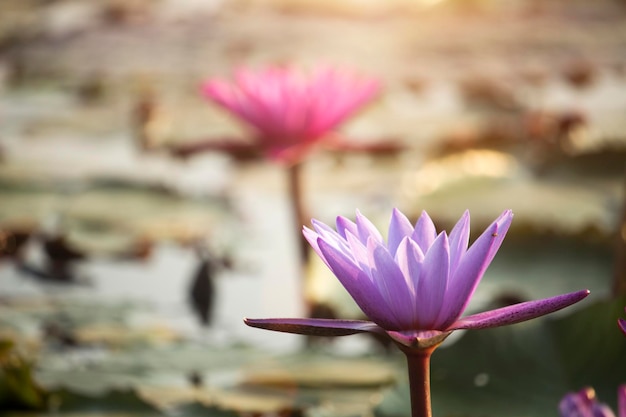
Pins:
x: 619, y: 277
x: 294, y: 174
x: 418, y: 361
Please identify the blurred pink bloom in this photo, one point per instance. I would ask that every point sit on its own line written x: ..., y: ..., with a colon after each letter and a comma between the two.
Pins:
x: 622, y: 325
x: 289, y: 110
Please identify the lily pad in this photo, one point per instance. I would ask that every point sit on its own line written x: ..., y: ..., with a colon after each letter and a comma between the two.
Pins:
x: 310, y: 371
x: 121, y: 335
x: 524, y: 370
x: 563, y: 207
x: 115, y: 401
x: 97, y: 372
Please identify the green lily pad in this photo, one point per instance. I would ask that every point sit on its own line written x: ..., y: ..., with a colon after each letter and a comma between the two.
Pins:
x: 524, y: 370
x: 118, y: 401
x: 199, y: 410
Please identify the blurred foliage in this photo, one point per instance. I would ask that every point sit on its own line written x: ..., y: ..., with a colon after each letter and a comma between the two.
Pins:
x: 18, y: 388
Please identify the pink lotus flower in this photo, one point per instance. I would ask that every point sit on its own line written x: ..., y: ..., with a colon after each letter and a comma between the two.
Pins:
x: 584, y: 403
x: 289, y: 110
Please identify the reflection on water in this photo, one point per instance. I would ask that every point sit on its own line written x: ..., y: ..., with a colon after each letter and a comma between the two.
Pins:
x: 264, y: 282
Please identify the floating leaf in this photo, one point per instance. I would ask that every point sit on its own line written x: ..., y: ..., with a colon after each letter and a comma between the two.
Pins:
x: 310, y: 371
x: 121, y: 335
x: 199, y: 410
x: 126, y: 401
x: 558, y: 206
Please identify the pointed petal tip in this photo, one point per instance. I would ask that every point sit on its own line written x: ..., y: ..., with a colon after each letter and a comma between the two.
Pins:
x: 505, y: 219
x: 249, y: 322
x: 503, y: 222
x: 576, y: 295
x: 307, y: 230
x: 315, y: 327
x: 506, y: 213
x: 622, y: 325
x: 207, y: 88
x: 425, y: 215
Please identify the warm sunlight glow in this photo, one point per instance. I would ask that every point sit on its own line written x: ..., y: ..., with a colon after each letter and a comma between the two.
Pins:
x: 473, y: 163
x: 430, y: 2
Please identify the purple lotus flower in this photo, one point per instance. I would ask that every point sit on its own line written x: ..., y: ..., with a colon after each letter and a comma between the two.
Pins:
x: 622, y: 325
x: 584, y: 403
x: 289, y: 110
x: 416, y: 286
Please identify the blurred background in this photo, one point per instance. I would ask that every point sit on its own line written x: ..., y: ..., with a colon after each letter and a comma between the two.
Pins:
x: 128, y: 265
